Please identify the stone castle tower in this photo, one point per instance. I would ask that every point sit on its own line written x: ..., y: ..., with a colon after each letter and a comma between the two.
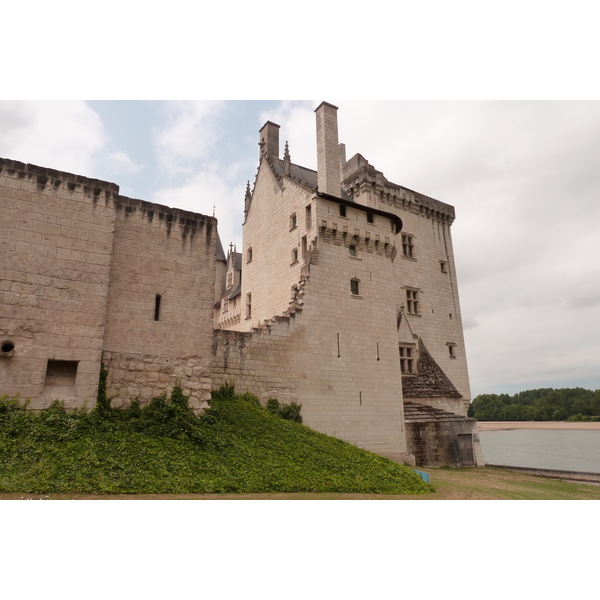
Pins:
x: 343, y: 298
x: 355, y: 277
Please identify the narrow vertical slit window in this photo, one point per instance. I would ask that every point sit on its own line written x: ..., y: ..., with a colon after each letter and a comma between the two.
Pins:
x: 157, y: 307
x: 248, y: 306
x: 308, y: 217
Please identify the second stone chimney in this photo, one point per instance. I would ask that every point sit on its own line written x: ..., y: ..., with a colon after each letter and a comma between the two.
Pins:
x: 269, y: 139
x: 328, y: 151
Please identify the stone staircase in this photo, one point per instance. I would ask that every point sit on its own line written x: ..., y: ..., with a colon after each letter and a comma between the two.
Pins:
x: 417, y: 412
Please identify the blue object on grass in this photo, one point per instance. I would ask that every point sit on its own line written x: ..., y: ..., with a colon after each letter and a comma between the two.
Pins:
x: 424, y: 476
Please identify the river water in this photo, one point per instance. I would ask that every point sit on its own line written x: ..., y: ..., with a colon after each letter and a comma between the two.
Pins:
x: 564, y: 450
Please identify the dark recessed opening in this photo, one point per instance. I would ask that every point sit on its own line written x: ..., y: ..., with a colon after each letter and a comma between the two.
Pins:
x: 61, y: 372
x: 7, y: 347
x: 157, y: 307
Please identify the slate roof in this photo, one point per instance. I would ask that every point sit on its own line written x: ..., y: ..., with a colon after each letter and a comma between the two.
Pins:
x: 303, y: 175
x: 431, y: 381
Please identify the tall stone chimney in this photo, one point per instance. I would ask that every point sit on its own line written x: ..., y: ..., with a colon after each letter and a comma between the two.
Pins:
x: 328, y: 151
x: 269, y: 139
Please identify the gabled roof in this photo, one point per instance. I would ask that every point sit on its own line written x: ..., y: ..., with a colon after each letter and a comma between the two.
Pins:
x: 220, y: 252
x: 302, y: 175
x: 237, y: 260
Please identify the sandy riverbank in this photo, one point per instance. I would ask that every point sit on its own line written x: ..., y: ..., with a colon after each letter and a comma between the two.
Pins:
x: 497, y: 425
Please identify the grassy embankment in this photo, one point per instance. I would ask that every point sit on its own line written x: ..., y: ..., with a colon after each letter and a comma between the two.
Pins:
x: 236, y: 446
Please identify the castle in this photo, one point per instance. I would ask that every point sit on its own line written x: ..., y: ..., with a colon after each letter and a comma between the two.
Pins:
x: 344, y: 299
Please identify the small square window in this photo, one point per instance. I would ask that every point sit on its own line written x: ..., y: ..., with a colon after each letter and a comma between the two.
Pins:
x: 354, y: 287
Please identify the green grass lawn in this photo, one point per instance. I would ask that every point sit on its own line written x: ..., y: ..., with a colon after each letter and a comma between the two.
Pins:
x: 236, y: 446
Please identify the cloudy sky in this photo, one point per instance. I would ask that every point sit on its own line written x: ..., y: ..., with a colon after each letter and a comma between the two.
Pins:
x: 523, y: 175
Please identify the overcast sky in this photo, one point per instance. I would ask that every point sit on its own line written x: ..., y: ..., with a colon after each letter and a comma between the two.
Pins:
x: 524, y: 178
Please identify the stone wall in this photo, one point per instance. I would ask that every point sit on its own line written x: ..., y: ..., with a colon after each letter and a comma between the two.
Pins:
x: 57, y: 231
x: 85, y: 270
x: 142, y: 376
x: 338, y: 355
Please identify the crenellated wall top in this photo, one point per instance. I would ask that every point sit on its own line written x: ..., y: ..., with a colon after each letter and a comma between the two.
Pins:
x: 363, y: 182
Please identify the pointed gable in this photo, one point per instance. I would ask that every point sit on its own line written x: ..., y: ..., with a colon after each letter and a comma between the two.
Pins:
x: 430, y: 382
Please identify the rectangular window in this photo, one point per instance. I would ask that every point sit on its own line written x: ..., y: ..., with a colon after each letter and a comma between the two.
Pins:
x: 354, y: 288
x: 157, y: 307
x: 342, y: 210
x: 230, y: 279
x: 443, y: 266
x: 293, y: 221
x: 370, y: 217
x: 294, y: 255
x: 352, y: 250
x: 412, y: 302
x: 248, y: 306
x: 451, y: 349
x: 407, y: 360
x: 249, y: 255
x: 408, y: 248
x: 308, y: 216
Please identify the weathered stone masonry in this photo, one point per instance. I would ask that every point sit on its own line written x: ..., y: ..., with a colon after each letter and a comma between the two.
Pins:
x: 82, y: 269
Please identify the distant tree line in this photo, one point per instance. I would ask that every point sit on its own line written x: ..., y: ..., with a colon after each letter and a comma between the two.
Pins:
x: 569, y: 404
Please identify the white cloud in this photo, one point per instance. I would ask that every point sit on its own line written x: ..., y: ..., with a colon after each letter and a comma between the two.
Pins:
x: 188, y: 134
x: 61, y: 135
x: 67, y: 136
x: 119, y: 162
x: 210, y: 188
